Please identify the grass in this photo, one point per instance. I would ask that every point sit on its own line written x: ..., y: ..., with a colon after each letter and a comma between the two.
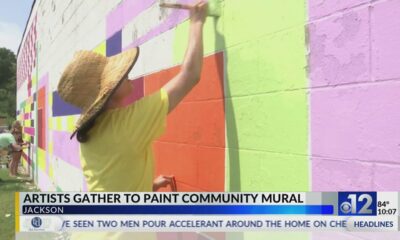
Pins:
x: 8, y: 186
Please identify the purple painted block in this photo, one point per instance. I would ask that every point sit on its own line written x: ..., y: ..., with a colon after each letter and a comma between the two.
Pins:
x: 339, y: 49
x: 320, y: 8
x: 330, y: 175
x: 386, y: 177
x: 359, y: 122
x: 66, y: 149
x: 61, y: 108
x: 114, y: 44
x: 385, y: 34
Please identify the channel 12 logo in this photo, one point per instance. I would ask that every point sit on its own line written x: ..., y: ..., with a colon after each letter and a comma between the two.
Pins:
x: 357, y: 204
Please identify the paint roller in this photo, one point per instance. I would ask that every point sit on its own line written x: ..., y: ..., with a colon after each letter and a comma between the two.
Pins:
x: 214, y: 7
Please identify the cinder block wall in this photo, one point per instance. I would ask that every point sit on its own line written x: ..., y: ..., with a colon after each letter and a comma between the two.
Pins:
x: 353, y: 76
x: 294, y: 95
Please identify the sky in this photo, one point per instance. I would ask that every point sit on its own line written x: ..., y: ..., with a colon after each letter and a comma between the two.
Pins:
x: 13, y: 17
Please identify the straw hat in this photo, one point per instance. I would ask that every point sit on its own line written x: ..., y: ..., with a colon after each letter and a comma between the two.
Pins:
x: 90, y: 78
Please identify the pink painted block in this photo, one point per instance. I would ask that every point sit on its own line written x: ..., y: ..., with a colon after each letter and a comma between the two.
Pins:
x: 45, y: 183
x: 175, y: 18
x: 339, y: 49
x: 125, y: 13
x: 385, y: 34
x: 137, y: 92
x: 84, y: 186
x: 355, y: 236
x: 357, y: 122
x: 181, y: 235
x: 132, y: 8
x: 66, y: 149
x: 386, y: 177
x: 330, y: 175
x: 29, y: 130
x: 114, y: 21
x: 320, y: 8
x: 331, y: 235
x: 44, y: 81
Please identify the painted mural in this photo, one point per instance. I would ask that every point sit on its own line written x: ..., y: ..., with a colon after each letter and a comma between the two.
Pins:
x: 294, y: 95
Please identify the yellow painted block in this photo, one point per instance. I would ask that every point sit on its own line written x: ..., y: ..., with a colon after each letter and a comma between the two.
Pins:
x: 50, y: 122
x: 71, y: 123
x: 59, y: 123
x: 51, y: 171
x: 34, y: 80
x: 41, y: 157
x: 27, y: 108
x: 101, y: 48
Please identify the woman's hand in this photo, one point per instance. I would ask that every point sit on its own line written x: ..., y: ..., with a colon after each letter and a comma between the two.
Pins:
x: 198, y: 12
x: 163, y: 181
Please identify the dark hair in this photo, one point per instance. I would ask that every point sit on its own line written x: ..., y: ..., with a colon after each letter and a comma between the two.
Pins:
x: 82, y: 134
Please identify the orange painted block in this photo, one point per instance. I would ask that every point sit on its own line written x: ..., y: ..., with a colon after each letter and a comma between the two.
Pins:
x: 199, y: 123
x: 211, y: 168
x: 178, y: 160
x: 193, y: 146
x: 41, y: 98
x: 209, y: 87
x: 211, y: 82
x: 188, y: 188
x: 192, y: 165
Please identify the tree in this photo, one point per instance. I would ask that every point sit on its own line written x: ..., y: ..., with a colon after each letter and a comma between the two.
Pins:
x: 8, y: 64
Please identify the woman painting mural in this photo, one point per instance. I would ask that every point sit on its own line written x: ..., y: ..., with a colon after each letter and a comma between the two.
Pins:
x: 116, y: 142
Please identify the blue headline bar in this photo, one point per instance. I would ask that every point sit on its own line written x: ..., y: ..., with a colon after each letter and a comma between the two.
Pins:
x: 180, y: 209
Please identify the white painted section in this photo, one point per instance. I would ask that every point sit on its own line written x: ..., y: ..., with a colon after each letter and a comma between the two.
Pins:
x: 67, y: 177
x: 155, y: 55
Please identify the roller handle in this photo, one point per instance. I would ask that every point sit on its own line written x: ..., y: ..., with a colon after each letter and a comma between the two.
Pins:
x: 176, y: 5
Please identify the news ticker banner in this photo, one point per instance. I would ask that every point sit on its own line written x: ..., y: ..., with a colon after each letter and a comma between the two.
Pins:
x: 215, y: 211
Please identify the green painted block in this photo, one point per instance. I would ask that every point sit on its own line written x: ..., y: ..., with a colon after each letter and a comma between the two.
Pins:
x: 268, y: 172
x: 268, y: 64
x: 248, y: 20
x: 276, y: 122
x: 180, y: 42
x: 212, y: 35
x: 22, y: 105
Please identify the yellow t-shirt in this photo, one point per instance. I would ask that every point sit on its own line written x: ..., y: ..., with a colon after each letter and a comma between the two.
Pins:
x: 118, y: 156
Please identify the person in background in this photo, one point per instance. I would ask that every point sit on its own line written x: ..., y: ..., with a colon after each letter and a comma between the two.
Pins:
x: 7, y: 140
x: 16, y: 131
